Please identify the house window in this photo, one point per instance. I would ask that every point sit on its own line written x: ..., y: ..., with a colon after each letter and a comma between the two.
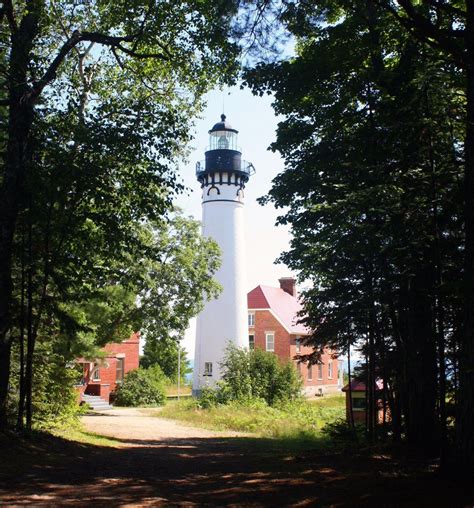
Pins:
x: 310, y: 372
x: 96, y: 373
x: 298, y: 345
x: 270, y: 341
x: 330, y: 369
x: 120, y: 370
x: 251, y: 318
x: 298, y: 367
x: 207, y: 369
x: 251, y: 342
x: 320, y: 371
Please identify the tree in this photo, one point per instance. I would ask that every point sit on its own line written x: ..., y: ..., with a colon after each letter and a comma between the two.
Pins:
x: 165, y: 353
x: 372, y: 146
x: 177, y: 277
x: 101, y: 76
x: 176, y: 285
x: 449, y: 26
x: 169, y: 274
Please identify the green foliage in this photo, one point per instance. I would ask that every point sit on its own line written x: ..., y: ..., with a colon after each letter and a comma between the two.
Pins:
x: 55, y: 401
x: 372, y: 139
x: 164, y: 353
x: 340, y: 431
x: 176, y: 280
x: 142, y: 387
x: 254, y: 375
x: 220, y: 394
x: 102, y: 124
x: 295, y: 419
x: 273, y: 380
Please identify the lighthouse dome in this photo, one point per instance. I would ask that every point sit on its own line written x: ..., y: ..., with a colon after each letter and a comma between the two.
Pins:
x: 223, y: 125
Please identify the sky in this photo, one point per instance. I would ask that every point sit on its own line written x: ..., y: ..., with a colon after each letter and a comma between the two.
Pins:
x: 256, y: 122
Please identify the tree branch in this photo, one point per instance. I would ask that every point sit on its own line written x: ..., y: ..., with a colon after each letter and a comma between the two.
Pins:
x: 93, y: 37
x: 422, y: 28
x: 455, y: 11
x: 7, y: 10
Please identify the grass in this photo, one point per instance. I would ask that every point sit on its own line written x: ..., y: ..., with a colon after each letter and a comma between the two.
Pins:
x: 302, y: 419
x: 79, y: 435
x: 171, y: 390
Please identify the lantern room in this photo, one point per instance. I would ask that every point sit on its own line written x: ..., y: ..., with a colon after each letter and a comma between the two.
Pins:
x: 223, y: 156
x: 223, y: 137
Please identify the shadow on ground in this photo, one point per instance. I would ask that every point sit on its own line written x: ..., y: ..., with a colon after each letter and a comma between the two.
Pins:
x: 213, y: 472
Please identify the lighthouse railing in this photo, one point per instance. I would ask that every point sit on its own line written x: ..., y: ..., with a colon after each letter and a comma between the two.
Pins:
x: 245, y: 167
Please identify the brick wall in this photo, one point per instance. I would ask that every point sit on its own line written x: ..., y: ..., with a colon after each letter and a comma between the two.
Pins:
x: 266, y: 322
x: 129, y: 350
x: 285, y: 348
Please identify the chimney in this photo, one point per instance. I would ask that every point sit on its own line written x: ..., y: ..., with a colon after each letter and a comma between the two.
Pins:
x: 288, y: 284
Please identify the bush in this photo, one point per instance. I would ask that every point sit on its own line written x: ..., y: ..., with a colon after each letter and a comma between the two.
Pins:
x: 142, y: 387
x: 54, y: 399
x: 272, y: 380
x: 340, y: 431
x: 253, y: 375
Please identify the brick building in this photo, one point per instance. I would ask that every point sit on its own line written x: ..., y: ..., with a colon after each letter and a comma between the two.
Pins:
x: 272, y: 316
x: 101, y: 377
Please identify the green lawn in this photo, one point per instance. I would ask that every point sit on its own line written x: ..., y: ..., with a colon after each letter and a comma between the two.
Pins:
x: 171, y: 390
x: 302, y: 418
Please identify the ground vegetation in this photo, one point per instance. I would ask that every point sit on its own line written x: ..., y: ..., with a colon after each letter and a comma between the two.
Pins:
x: 299, y: 420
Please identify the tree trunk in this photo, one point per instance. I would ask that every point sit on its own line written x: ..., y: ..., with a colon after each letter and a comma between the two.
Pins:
x: 5, y: 353
x: 421, y: 364
x: 19, y: 127
x: 30, y: 336
x: 21, y: 400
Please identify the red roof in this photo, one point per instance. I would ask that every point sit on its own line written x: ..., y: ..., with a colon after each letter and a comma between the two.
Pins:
x: 359, y: 386
x: 284, y: 306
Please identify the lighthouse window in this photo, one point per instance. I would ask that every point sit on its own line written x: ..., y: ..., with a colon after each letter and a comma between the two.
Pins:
x: 270, y: 341
x: 207, y: 369
x: 251, y: 318
x: 223, y: 140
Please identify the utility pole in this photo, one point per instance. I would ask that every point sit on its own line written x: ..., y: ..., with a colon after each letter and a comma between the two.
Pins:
x: 179, y: 368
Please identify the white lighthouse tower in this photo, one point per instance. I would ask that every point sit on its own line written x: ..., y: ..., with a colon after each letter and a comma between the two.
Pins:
x: 222, y: 176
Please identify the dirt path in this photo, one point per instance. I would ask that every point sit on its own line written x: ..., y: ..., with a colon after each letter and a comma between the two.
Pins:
x: 134, y: 425
x: 164, y: 463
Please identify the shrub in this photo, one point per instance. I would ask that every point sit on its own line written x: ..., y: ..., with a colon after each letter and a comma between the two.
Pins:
x: 340, y: 431
x: 142, y: 387
x: 273, y: 380
x: 54, y: 399
x: 253, y: 375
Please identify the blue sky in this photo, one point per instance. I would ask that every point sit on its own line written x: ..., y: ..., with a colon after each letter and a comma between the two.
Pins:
x: 256, y: 122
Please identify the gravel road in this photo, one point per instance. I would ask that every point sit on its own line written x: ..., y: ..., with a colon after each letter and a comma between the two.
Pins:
x: 132, y: 425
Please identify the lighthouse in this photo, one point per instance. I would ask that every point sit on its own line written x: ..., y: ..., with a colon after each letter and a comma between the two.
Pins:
x: 223, y: 176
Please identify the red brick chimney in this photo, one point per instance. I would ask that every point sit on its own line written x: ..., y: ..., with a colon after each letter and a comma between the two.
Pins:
x: 288, y: 284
